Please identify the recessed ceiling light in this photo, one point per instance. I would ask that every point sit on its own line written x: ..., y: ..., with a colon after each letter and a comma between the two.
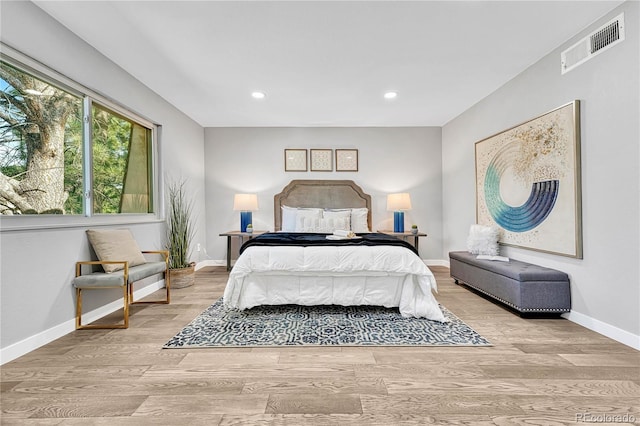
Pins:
x: 391, y: 95
x: 258, y: 95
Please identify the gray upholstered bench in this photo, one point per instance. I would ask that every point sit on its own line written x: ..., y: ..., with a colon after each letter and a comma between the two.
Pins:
x: 121, y: 264
x: 124, y: 279
x: 525, y: 287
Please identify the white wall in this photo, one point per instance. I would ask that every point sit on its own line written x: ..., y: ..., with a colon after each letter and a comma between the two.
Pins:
x: 36, y: 267
x: 604, y: 285
x: 390, y: 160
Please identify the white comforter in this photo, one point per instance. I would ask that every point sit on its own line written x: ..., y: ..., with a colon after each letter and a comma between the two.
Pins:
x: 333, y: 275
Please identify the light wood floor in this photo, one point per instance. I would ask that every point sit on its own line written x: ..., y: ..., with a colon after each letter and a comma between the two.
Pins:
x: 539, y: 371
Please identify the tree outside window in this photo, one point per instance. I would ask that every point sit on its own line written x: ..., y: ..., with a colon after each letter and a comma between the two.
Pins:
x: 41, y: 152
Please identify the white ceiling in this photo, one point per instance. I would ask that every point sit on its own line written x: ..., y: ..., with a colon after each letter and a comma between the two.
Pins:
x: 325, y: 63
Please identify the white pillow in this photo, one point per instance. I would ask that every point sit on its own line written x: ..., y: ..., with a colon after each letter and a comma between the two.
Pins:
x: 309, y: 212
x: 321, y: 225
x: 359, y: 220
x: 290, y: 215
x: 338, y: 214
x: 483, y: 240
x: 289, y: 218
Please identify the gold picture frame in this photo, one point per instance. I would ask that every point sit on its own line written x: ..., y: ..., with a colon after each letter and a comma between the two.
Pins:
x: 528, y: 183
x: 321, y: 160
x: 295, y: 160
x: 346, y: 160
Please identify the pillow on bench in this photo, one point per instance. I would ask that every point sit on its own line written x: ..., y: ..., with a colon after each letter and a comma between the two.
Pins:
x: 115, y: 244
x: 483, y: 240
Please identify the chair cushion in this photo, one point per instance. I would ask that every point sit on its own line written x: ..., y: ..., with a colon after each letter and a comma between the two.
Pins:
x: 146, y: 270
x: 115, y: 244
x: 101, y: 279
x: 514, y: 269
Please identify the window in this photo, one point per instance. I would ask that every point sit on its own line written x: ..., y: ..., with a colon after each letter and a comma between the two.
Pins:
x: 66, y: 152
x: 121, y: 167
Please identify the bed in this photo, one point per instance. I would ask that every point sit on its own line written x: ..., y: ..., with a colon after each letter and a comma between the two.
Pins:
x: 299, y: 264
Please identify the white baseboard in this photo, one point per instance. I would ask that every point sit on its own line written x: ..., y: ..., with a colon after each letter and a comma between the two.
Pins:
x: 605, y: 329
x: 210, y: 262
x: 31, y: 343
x: 436, y: 262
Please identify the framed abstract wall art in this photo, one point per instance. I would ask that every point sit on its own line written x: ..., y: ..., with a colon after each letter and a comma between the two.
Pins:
x: 528, y: 183
x: 321, y: 160
x: 295, y: 160
x: 346, y: 160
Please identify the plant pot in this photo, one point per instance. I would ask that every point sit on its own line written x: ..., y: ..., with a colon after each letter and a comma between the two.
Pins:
x: 182, y: 277
x: 414, y: 231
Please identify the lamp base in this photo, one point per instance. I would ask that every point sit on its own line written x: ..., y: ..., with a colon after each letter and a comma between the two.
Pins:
x: 398, y: 221
x: 245, y: 219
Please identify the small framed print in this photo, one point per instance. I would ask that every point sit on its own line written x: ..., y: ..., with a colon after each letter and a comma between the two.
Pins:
x: 346, y: 160
x: 321, y: 160
x: 295, y: 160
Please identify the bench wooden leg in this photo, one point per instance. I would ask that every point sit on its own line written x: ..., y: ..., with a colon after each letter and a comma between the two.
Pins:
x: 79, y: 325
x: 165, y: 301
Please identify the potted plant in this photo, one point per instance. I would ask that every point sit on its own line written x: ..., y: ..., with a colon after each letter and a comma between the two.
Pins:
x: 180, y: 235
x: 414, y: 229
x: 249, y: 229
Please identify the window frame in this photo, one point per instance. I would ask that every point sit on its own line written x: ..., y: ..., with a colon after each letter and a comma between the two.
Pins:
x: 88, y: 97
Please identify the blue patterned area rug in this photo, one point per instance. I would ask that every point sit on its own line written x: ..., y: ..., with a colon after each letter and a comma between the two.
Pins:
x: 293, y: 325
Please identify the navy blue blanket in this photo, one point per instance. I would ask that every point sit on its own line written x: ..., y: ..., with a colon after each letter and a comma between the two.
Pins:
x: 310, y: 239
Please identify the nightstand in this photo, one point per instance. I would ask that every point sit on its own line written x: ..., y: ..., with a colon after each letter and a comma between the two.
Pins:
x: 405, y: 235
x: 241, y: 236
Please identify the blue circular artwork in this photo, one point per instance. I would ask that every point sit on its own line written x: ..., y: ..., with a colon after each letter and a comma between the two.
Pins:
x: 533, y: 211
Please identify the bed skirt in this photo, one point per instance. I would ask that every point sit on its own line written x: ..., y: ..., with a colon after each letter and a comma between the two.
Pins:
x: 401, y: 291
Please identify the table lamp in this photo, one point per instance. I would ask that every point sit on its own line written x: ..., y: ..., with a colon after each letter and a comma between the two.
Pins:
x: 245, y: 204
x: 398, y: 203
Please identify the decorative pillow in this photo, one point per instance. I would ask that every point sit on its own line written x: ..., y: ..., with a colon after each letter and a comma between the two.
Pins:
x: 483, y: 240
x: 115, y: 244
x: 359, y: 220
x: 321, y: 225
x: 308, y: 212
x: 289, y: 218
x: 338, y: 214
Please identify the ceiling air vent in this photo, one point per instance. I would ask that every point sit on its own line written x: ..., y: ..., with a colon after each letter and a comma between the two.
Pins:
x: 598, y: 41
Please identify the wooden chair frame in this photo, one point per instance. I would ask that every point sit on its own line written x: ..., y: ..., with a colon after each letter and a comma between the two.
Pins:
x: 167, y: 281
x: 127, y: 289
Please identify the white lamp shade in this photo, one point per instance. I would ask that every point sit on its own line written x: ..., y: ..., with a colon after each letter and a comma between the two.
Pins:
x: 245, y: 202
x: 399, y: 202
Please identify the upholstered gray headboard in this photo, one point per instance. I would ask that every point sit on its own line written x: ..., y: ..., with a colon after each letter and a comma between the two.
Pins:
x: 329, y: 194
